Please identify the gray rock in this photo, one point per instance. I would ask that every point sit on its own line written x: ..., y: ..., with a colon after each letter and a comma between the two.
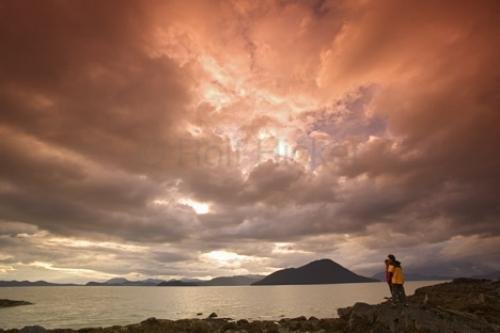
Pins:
x: 386, y: 318
x: 32, y: 329
x: 242, y: 323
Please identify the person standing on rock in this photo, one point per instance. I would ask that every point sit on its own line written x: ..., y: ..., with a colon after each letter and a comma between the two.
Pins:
x: 397, y: 280
x: 388, y: 275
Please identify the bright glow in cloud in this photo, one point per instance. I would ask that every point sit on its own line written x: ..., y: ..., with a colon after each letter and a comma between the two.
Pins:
x: 82, y: 243
x: 5, y: 268
x: 199, y: 207
x: 225, y: 257
x: 73, y: 271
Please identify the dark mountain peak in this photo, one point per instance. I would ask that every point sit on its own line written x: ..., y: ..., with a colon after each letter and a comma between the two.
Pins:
x: 322, y: 263
x: 323, y: 271
x: 324, y: 266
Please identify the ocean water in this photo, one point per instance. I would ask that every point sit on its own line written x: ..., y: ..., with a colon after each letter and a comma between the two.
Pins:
x: 78, y: 307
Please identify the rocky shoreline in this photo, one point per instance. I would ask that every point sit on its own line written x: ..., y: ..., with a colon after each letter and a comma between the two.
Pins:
x: 461, y: 306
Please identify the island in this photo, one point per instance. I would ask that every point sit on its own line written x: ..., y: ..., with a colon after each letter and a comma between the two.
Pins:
x: 462, y: 306
x: 4, y: 303
x: 323, y: 271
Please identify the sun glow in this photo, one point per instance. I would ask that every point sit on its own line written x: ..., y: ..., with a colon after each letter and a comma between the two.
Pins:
x: 199, y: 207
x: 225, y: 257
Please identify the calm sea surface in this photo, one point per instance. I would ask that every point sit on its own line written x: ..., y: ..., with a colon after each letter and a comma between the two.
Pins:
x: 77, y: 307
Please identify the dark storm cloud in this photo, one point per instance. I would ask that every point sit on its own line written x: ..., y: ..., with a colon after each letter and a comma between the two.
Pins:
x: 79, y: 76
x: 442, y: 158
x: 82, y: 103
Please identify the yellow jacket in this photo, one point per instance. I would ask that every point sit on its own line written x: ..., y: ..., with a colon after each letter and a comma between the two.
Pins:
x: 397, y: 274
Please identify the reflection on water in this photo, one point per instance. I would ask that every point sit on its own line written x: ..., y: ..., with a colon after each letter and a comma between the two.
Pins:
x: 77, y: 307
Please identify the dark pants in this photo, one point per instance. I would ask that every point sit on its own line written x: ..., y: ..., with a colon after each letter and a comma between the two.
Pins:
x: 398, y: 293
x: 390, y: 287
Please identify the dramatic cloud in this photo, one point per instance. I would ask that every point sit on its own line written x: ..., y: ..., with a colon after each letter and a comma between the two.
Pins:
x: 203, y: 138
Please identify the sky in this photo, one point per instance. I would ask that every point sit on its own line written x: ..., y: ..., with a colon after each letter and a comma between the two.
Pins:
x: 196, y: 139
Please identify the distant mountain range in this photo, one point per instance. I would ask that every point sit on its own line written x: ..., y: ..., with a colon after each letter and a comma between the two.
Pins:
x: 32, y: 284
x: 324, y: 271
x: 177, y: 283
x: 125, y: 282
x: 237, y: 280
